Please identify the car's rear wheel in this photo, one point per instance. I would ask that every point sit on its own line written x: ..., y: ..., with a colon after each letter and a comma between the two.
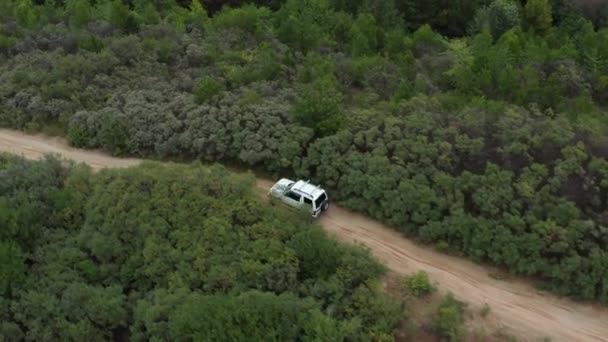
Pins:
x: 325, y: 206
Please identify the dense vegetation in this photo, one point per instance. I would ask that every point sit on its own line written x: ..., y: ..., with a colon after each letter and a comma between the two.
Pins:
x: 178, y: 253
x: 479, y: 125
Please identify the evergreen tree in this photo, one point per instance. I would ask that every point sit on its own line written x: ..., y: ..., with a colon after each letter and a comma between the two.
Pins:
x: 119, y: 15
x: 79, y: 12
x: 537, y: 16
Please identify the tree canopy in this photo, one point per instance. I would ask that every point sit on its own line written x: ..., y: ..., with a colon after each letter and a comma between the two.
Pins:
x: 478, y: 126
x: 172, y: 252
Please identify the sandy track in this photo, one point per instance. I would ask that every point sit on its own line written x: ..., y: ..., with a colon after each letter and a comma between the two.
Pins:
x: 521, y: 309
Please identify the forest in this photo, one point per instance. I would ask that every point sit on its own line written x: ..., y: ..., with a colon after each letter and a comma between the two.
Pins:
x: 173, y: 253
x: 477, y: 126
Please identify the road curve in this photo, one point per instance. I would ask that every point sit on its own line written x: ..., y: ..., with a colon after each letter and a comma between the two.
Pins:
x: 522, y: 310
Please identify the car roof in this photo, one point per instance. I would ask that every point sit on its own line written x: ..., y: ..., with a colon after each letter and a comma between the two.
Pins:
x: 307, y: 188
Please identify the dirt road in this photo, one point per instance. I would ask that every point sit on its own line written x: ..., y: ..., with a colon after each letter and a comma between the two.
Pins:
x: 521, y: 309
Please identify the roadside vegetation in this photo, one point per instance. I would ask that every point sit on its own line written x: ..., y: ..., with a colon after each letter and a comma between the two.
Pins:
x: 173, y: 252
x: 479, y: 128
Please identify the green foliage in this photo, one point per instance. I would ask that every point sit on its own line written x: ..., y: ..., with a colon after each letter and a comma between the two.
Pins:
x: 537, y: 16
x: 251, y: 316
x: 121, y: 17
x: 261, y: 65
x: 364, y: 35
x: 147, y: 14
x: 12, y: 267
x: 419, y: 284
x: 150, y: 251
x: 498, y: 17
x: 26, y: 13
x: 6, y: 42
x: 90, y: 43
x: 206, y: 88
x: 301, y: 24
x: 450, y: 17
x: 248, y: 18
x: 113, y: 134
x: 449, y: 319
x: 80, y: 12
x: 491, y: 146
x: 319, y: 107
x: 318, y: 256
x: 198, y: 15
x: 119, y: 13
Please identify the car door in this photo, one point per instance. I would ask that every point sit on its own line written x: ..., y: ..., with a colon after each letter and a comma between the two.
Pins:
x: 292, y: 198
x: 309, y: 204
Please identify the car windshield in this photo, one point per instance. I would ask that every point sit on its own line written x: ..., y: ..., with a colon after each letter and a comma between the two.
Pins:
x: 320, y: 200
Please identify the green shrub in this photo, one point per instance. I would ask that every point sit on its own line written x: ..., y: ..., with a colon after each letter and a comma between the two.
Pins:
x: 12, y: 265
x: 26, y: 13
x: 262, y: 65
x: 6, y: 42
x: 537, y: 15
x: 248, y: 18
x: 317, y: 254
x: 498, y: 17
x: 114, y: 133
x: 90, y: 43
x: 119, y: 14
x: 206, y: 88
x: 125, y: 249
x: 146, y: 13
x: 80, y: 13
x: 300, y: 23
x: 419, y: 284
x: 319, y: 106
x: 449, y: 319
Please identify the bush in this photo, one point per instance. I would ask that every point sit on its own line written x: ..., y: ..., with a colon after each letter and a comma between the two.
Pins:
x: 248, y: 18
x: 83, y: 129
x: 113, y: 134
x: 319, y: 107
x: 127, y: 49
x: 480, y: 145
x: 498, y: 17
x: 6, y: 43
x: 90, y: 43
x: 537, y: 15
x: 120, y: 16
x: 419, y: 284
x: 300, y: 23
x: 449, y: 319
x: 80, y: 13
x: 124, y: 249
x: 317, y: 254
x: 206, y: 88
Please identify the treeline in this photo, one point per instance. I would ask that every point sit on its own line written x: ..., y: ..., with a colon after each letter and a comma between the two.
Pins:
x: 166, y: 252
x: 491, y: 145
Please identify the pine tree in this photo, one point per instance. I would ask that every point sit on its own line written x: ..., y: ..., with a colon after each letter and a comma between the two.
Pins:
x: 119, y: 14
x: 80, y: 12
x: 537, y: 16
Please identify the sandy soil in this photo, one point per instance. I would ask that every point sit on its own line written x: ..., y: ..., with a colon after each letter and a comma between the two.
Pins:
x: 519, y: 308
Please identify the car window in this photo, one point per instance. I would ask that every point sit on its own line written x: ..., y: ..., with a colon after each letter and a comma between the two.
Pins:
x: 320, y: 200
x: 308, y: 201
x: 293, y: 196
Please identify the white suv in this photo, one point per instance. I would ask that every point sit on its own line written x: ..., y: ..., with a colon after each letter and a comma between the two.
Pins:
x: 301, y: 194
